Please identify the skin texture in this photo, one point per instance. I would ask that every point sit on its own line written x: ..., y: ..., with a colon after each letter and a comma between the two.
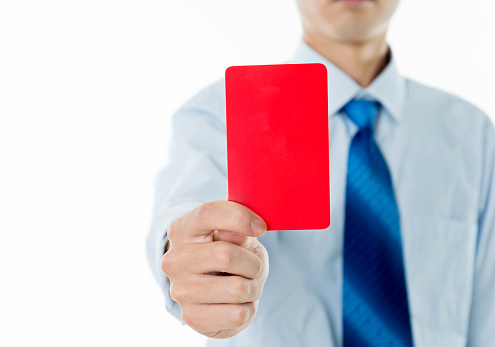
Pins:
x: 216, y: 266
x: 352, y: 36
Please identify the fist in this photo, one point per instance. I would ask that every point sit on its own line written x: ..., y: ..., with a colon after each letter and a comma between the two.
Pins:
x: 217, y: 267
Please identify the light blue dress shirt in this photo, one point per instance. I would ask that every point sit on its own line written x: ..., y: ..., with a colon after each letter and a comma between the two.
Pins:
x: 441, y: 154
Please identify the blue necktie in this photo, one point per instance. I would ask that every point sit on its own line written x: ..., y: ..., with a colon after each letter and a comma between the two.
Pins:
x: 375, y: 304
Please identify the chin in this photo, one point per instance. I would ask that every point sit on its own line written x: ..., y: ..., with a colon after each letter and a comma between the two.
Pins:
x: 348, y: 31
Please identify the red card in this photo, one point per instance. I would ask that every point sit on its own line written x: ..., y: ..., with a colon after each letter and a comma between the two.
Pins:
x: 277, y: 143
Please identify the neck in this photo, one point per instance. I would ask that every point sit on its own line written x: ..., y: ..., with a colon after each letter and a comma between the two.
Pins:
x: 362, y: 61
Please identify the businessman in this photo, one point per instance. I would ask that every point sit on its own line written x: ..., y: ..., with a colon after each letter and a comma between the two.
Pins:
x: 409, y: 259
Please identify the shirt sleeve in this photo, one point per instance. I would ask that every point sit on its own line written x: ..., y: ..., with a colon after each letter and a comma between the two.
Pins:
x: 482, y: 320
x: 196, y: 173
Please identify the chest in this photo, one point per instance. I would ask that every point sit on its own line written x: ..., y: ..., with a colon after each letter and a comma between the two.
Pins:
x: 436, y: 180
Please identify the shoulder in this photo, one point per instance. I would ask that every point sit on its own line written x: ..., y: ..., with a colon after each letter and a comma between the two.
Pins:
x: 208, y: 102
x: 442, y: 106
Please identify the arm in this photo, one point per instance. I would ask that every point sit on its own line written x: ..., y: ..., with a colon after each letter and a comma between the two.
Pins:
x: 196, y: 172
x: 482, y: 319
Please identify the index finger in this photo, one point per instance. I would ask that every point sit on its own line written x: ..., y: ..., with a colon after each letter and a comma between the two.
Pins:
x: 218, y: 215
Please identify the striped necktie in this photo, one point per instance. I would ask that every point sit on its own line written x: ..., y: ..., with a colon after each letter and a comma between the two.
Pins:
x: 375, y: 304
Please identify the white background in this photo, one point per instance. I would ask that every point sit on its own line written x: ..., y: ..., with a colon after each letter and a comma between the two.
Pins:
x: 86, y: 93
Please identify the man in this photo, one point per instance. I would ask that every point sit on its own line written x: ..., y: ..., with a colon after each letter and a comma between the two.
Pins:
x: 410, y: 256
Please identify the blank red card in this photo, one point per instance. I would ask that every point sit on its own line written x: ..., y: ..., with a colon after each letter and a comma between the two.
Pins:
x: 277, y: 143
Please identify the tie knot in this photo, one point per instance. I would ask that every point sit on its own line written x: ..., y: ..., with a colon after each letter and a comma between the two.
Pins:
x: 362, y: 112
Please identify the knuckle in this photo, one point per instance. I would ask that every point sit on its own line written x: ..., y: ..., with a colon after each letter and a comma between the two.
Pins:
x: 238, y: 289
x: 242, y: 314
x: 204, y: 211
x: 259, y: 268
x: 257, y: 290
x: 174, y: 292
x: 224, y: 254
x: 262, y: 253
x: 172, y: 229
x: 190, y: 317
x: 177, y: 292
x: 241, y: 218
x: 168, y: 263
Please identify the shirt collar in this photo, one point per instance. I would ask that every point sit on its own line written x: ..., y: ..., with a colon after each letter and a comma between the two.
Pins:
x: 388, y: 87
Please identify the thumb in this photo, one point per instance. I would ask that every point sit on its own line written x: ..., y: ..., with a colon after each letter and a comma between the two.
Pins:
x: 236, y: 238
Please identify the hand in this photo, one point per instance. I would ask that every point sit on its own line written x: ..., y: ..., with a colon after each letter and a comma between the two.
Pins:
x: 217, y: 267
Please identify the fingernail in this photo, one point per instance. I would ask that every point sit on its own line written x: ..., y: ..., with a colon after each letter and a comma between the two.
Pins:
x: 258, y: 226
